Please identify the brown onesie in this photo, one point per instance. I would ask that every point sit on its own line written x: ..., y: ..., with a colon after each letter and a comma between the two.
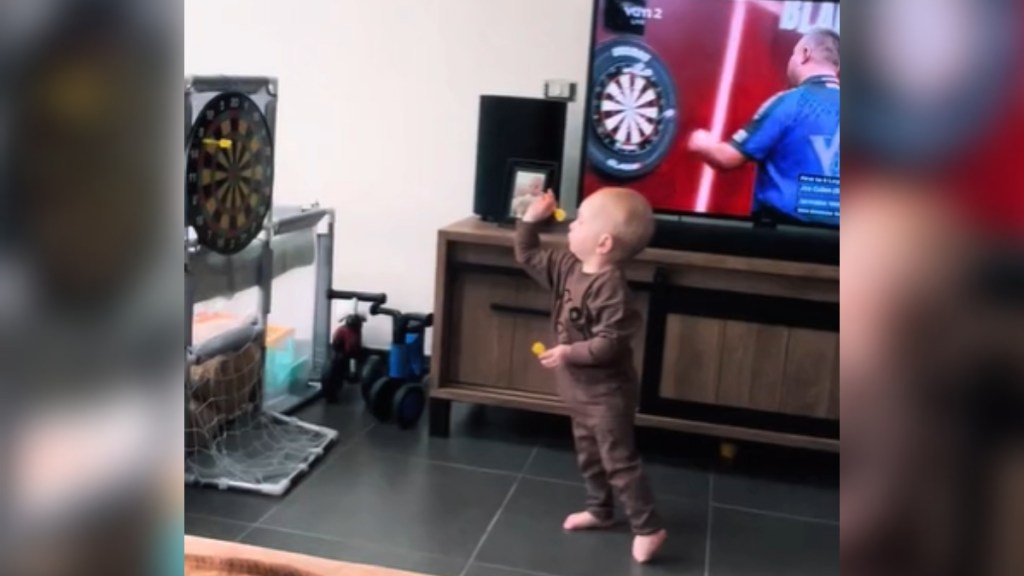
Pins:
x: 592, y: 314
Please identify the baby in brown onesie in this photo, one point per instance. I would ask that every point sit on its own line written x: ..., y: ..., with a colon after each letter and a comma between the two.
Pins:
x: 592, y: 357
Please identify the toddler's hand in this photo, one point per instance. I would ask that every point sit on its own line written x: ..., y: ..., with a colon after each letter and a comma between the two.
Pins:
x: 554, y: 357
x: 541, y: 209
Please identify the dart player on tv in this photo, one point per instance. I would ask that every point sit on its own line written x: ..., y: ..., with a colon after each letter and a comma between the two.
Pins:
x: 793, y: 138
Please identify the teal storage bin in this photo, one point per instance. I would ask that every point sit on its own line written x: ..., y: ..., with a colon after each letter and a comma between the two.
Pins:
x: 280, y: 361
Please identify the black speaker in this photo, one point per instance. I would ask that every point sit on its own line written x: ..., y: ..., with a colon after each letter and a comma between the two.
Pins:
x: 516, y: 135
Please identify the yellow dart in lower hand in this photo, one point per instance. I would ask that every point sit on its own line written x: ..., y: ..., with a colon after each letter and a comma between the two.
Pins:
x: 538, y: 349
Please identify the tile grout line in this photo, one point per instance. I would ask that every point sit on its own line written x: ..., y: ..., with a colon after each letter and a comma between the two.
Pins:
x: 581, y: 485
x: 516, y: 570
x: 339, y: 446
x: 497, y: 515
x: 455, y: 465
x: 711, y: 511
x: 217, y: 518
x: 352, y: 441
x: 780, y: 515
x: 555, y: 481
x: 352, y: 541
x: 258, y: 523
x: 529, y: 461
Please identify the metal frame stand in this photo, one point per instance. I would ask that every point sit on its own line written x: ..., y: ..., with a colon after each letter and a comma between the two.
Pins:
x: 315, y: 439
x: 291, y: 219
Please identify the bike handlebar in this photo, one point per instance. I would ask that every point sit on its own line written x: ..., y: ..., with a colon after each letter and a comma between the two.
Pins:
x: 377, y: 299
x: 403, y: 322
x: 378, y: 310
x: 426, y: 319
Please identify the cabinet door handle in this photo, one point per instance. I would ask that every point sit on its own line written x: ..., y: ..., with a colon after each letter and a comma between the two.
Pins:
x: 506, y: 309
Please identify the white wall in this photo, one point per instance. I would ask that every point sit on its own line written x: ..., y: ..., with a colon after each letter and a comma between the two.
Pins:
x: 378, y: 110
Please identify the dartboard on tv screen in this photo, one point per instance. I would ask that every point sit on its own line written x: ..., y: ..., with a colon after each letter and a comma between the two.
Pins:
x: 229, y: 159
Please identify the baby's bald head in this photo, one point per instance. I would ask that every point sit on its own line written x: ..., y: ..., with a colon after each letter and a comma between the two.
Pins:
x: 623, y: 214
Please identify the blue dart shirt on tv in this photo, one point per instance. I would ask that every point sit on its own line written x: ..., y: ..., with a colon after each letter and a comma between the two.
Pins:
x: 794, y: 138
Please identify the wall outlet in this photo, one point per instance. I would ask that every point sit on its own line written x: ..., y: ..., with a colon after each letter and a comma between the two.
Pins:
x: 560, y: 90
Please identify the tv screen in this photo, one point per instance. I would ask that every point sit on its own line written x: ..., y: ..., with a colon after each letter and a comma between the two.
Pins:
x: 720, y: 107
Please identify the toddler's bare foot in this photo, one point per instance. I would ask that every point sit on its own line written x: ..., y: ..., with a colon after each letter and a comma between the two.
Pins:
x: 584, y: 521
x: 645, y: 547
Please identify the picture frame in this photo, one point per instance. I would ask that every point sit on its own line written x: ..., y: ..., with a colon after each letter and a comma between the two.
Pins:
x: 525, y: 180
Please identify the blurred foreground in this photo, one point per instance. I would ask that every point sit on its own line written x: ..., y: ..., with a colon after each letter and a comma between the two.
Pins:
x: 90, y: 287
x: 932, y: 292
x: 90, y: 300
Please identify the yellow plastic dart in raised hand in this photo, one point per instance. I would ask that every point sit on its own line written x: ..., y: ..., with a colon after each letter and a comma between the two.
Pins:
x: 538, y: 349
x: 559, y: 215
x: 222, y: 143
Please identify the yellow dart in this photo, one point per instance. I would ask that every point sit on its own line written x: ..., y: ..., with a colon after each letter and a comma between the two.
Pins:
x: 559, y: 215
x: 538, y: 349
x: 223, y: 143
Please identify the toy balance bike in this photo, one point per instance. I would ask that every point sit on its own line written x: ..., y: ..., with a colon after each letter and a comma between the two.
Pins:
x: 401, y: 395
x: 347, y: 359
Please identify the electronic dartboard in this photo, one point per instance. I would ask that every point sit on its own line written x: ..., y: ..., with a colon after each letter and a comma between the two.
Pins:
x: 632, y: 110
x: 229, y: 173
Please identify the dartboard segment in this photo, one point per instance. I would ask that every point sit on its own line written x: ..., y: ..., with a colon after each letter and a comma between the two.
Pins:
x: 230, y: 160
x: 628, y: 111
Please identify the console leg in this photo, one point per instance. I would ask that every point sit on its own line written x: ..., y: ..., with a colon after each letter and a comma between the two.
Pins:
x: 440, y: 418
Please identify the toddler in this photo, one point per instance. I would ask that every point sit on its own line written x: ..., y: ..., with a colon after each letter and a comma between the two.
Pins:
x: 593, y: 357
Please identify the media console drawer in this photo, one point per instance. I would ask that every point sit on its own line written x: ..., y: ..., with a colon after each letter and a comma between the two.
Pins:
x: 738, y: 348
x: 751, y: 366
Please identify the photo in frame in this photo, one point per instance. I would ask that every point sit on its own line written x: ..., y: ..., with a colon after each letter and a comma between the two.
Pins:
x: 527, y: 180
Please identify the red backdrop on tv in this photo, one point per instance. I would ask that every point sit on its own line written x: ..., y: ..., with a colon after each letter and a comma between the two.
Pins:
x: 692, y: 38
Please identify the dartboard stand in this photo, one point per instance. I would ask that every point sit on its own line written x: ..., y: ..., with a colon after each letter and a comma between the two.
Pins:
x: 236, y: 241
x: 229, y: 220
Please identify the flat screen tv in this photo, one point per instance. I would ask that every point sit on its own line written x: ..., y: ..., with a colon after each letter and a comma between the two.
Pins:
x: 723, y: 108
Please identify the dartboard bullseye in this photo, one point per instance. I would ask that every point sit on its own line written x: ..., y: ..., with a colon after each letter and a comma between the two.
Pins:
x: 633, y: 110
x: 229, y: 178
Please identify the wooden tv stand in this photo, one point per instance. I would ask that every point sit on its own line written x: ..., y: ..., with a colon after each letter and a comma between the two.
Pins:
x: 733, y: 347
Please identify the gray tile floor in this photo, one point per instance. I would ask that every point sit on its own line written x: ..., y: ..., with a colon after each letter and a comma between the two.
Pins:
x: 490, y: 500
